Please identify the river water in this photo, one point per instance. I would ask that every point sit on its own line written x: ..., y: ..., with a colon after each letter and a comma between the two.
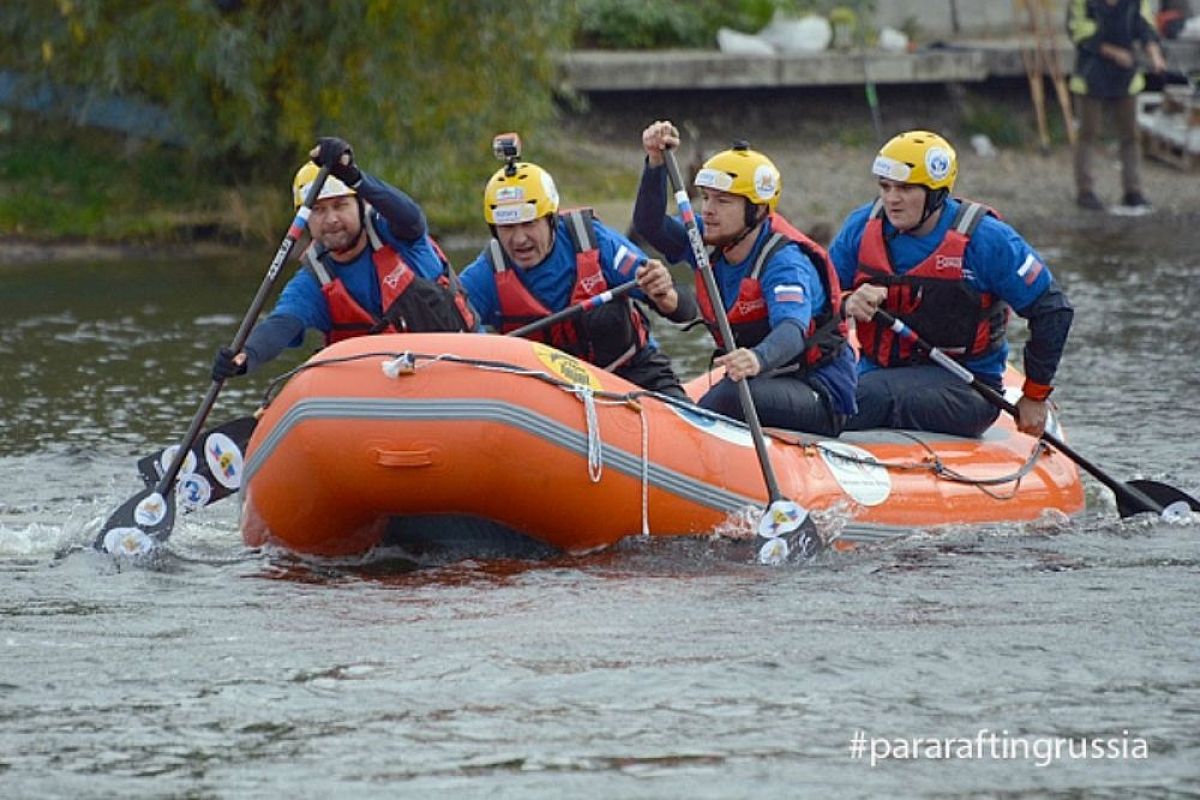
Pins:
x: 1031, y: 663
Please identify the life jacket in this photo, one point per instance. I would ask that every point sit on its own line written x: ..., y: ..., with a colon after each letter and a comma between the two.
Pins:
x: 933, y: 297
x: 607, y: 336
x: 411, y: 302
x: 748, y: 318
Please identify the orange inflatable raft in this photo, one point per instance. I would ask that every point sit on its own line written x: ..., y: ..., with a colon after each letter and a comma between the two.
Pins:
x: 380, y: 429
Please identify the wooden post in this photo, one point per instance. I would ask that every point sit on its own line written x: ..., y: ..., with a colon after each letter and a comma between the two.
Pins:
x: 1027, y: 18
x: 1047, y: 45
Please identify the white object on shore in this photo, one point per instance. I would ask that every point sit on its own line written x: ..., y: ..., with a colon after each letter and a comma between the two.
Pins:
x: 737, y: 43
x: 793, y: 36
x: 983, y: 146
x: 892, y: 40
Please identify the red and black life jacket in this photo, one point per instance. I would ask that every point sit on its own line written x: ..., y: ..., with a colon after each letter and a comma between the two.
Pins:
x: 748, y: 319
x: 607, y: 336
x: 411, y: 303
x: 933, y: 297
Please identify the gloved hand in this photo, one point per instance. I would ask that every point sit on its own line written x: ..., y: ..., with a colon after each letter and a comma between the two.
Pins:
x: 227, y: 364
x: 336, y: 153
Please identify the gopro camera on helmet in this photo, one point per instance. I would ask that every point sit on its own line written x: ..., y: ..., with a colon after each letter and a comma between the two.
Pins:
x: 507, y: 148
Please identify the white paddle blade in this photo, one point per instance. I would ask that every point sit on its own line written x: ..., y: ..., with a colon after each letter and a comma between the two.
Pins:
x: 782, y: 516
x: 773, y: 552
x: 1179, y: 511
x: 128, y: 542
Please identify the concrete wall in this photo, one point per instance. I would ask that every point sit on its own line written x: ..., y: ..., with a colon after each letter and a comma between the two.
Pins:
x: 942, y: 18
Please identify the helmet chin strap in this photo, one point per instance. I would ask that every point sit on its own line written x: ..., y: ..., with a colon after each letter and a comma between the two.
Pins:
x: 750, y: 226
x: 934, y: 200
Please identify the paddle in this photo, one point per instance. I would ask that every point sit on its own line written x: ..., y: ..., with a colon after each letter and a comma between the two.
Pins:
x: 782, y: 516
x: 1134, y: 497
x: 570, y: 311
x: 146, y: 519
x: 204, y: 484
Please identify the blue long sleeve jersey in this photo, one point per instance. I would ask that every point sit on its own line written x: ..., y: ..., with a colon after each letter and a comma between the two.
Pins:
x: 792, y: 288
x: 301, y: 306
x: 997, y: 260
x: 552, y: 280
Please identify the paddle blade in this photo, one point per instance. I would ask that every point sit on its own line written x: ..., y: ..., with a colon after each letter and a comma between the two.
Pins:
x: 781, y: 517
x: 212, y: 469
x: 798, y: 544
x: 139, y: 525
x: 1171, y: 500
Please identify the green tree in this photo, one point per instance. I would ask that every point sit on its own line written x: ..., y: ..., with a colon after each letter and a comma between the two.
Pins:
x: 418, y: 88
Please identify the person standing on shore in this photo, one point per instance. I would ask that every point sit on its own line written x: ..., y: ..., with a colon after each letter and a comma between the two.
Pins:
x: 950, y: 269
x: 371, y: 268
x: 540, y: 260
x: 1106, y: 83
x: 778, y: 288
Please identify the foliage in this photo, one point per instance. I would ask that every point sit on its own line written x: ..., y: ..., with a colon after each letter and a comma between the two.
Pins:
x: 418, y: 88
x: 65, y: 183
x: 645, y: 24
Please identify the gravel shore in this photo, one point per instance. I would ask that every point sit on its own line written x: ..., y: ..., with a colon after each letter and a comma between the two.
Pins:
x: 823, y: 144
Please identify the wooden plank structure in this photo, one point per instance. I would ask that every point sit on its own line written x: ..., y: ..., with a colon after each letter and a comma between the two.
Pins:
x: 1040, y: 56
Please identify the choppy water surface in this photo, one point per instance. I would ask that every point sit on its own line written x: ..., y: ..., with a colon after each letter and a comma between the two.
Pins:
x: 657, y: 669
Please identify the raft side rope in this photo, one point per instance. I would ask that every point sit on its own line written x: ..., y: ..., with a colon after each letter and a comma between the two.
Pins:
x: 595, y: 446
x: 933, y: 463
x: 645, y: 468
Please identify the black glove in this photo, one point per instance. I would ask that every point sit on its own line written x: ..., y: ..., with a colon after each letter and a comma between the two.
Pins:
x: 337, y: 155
x: 224, y: 366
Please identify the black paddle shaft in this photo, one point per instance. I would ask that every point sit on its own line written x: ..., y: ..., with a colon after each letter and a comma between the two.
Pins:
x: 161, y: 497
x: 706, y: 274
x: 1131, y: 499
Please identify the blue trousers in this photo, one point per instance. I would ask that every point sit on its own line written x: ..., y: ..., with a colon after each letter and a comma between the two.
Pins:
x: 782, y: 401
x: 923, y: 397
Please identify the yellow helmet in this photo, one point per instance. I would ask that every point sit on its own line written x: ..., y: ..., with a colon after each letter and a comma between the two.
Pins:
x: 304, y: 178
x: 518, y: 193
x: 918, y: 157
x: 744, y: 172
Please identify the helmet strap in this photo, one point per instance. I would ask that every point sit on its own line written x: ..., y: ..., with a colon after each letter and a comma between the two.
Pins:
x: 362, y: 218
x: 752, y: 220
x: 934, y: 200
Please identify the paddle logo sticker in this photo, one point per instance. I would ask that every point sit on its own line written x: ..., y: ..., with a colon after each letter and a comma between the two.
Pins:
x: 725, y: 431
x: 127, y: 542
x: 150, y: 511
x: 857, y: 472
x: 164, y: 461
x: 569, y: 368
x: 224, y: 460
x: 193, y: 492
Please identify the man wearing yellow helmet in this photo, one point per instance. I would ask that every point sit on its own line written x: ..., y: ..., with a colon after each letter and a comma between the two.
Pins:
x: 541, y: 260
x: 779, y: 290
x: 951, y: 269
x: 371, y: 268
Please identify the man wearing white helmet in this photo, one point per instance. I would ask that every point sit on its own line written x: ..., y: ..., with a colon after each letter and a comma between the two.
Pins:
x: 541, y: 260
x: 950, y: 269
x: 371, y: 268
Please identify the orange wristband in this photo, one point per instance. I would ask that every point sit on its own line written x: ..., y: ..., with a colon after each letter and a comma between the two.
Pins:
x: 1036, y: 391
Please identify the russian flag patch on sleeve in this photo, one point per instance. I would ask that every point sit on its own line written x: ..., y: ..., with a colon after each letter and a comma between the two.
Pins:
x: 626, y: 260
x: 789, y: 293
x: 1030, y: 269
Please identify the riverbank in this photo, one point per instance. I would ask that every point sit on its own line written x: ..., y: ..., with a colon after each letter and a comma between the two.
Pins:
x: 821, y: 140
